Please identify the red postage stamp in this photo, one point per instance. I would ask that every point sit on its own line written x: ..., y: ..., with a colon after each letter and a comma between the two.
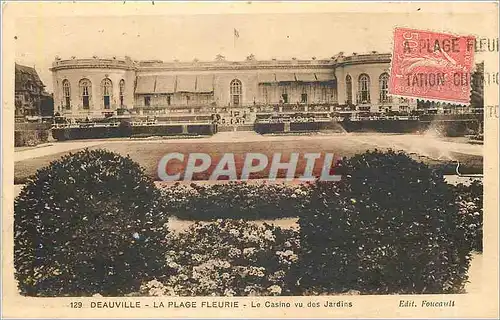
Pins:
x: 431, y: 66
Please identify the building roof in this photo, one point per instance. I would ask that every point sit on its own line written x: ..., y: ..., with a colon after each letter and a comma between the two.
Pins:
x: 25, y: 74
x: 165, y: 84
x: 145, y: 84
x: 250, y: 64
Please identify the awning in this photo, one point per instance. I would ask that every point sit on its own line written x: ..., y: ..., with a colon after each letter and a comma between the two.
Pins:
x: 145, y: 84
x: 165, y: 84
x: 186, y: 83
x: 205, y: 83
x: 285, y: 77
x: 266, y: 77
x: 324, y: 77
x: 305, y: 77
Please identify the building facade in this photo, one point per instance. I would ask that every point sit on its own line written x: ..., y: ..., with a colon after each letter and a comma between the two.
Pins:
x: 30, y: 98
x: 101, y: 87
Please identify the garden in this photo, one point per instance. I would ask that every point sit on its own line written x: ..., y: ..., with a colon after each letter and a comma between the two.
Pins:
x: 93, y: 222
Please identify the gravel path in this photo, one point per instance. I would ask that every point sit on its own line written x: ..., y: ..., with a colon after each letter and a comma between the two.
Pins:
x: 52, y: 148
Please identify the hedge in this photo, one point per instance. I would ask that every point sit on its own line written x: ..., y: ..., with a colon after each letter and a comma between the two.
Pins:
x: 91, y: 222
x: 234, y: 200
x: 391, y: 226
x: 470, y: 201
x: 30, y: 138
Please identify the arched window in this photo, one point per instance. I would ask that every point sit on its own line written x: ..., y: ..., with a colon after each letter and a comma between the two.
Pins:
x: 85, y: 92
x: 122, y: 91
x: 364, y: 88
x: 384, y: 87
x: 235, y: 92
x: 66, y: 94
x: 107, y: 90
x: 348, y: 88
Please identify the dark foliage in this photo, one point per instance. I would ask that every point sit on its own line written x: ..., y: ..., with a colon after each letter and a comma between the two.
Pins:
x: 391, y: 225
x: 477, y: 87
x: 470, y: 200
x: 235, y: 200
x: 125, y: 129
x: 30, y: 137
x: 91, y: 222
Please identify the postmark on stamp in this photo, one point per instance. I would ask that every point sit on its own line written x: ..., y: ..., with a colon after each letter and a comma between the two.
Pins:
x: 432, y: 66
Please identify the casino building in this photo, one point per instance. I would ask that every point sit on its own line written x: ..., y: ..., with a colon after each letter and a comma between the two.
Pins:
x: 96, y: 87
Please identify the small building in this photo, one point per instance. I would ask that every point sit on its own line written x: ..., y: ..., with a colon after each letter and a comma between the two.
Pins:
x: 30, y: 94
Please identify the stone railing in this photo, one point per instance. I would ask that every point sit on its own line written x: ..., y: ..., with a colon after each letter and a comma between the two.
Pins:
x: 92, y: 63
x: 363, y: 100
x: 365, y: 58
x: 386, y: 100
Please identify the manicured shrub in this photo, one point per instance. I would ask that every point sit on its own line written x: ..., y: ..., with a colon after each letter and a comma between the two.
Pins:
x: 125, y: 129
x: 235, y: 200
x: 29, y: 138
x: 228, y: 258
x: 89, y: 223
x: 392, y: 225
x: 470, y: 200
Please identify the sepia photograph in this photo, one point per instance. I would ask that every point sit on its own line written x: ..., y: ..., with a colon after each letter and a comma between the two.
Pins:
x: 269, y: 155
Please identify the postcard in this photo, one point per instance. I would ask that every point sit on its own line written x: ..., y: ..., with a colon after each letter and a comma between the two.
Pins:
x: 250, y: 160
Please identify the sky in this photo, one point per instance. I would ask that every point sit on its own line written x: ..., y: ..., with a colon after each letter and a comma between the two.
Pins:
x: 165, y: 36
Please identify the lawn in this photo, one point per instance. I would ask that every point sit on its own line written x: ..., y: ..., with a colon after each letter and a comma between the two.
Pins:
x: 148, y: 154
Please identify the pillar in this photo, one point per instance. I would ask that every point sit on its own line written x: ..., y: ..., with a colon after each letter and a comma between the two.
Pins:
x: 340, y: 83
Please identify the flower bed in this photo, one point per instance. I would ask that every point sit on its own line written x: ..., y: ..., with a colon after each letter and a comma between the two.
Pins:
x: 228, y: 258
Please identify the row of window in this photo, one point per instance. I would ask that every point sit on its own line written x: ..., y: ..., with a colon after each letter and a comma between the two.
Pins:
x: 326, y: 92
x: 235, y: 90
x: 183, y: 98
x: 364, y: 88
x: 86, y: 91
